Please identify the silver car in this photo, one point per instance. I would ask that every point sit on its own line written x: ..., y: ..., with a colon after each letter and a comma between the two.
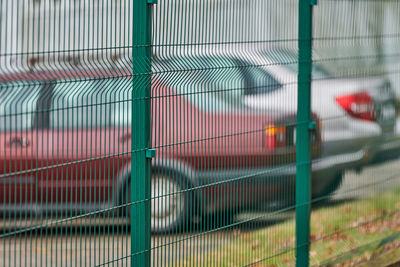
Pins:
x: 358, y: 115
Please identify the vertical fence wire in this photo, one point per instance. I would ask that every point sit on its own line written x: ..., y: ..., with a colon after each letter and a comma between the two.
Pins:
x: 66, y: 92
x: 355, y: 65
x: 225, y: 150
x: 304, y: 127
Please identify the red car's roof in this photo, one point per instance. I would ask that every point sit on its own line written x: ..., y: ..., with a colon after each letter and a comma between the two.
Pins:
x: 65, y: 73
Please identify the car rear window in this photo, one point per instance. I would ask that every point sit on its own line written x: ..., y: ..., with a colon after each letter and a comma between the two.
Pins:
x: 213, y: 89
x: 218, y: 84
x: 258, y: 81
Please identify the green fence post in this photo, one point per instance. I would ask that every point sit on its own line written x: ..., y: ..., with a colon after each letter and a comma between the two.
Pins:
x: 140, y: 221
x: 303, y: 149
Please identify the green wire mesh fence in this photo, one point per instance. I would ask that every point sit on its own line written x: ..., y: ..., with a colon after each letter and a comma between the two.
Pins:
x: 138, y: 133
x: 357, y: 42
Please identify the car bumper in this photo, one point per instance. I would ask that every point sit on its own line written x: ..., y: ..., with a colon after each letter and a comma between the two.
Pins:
x: 388, y: 148
x: 264, y: 187
x: 388, y: 145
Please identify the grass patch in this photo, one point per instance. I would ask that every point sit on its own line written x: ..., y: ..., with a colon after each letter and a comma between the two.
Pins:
x: 342, y: 235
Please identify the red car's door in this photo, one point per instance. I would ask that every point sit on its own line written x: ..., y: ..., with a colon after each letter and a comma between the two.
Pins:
x: 78, y: 167
x: 80, y: 152
x: 69, y: 170
x: 18, y: 143
x: 18, y: 168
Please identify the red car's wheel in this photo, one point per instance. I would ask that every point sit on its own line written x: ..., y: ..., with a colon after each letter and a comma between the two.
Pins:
x: 168, y: 203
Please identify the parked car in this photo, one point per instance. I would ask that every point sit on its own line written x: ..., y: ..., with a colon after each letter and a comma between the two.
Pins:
x: 358, y: 115
x: 66, y: 143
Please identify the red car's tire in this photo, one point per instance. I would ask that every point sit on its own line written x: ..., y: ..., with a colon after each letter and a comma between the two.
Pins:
x: 169, y: 205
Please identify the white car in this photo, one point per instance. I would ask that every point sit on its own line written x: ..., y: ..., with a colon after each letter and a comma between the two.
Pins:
x: 358, y: 115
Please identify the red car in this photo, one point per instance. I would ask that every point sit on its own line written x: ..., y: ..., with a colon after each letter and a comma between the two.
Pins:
x: 65, y: 145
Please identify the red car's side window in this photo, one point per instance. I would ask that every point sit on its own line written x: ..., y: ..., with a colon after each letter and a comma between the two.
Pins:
x: 20, y: 102
x: 91, y: 104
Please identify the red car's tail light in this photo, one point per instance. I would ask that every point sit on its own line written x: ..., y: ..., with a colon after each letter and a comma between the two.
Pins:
x: 275, y: 136
x: 359, y: 105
